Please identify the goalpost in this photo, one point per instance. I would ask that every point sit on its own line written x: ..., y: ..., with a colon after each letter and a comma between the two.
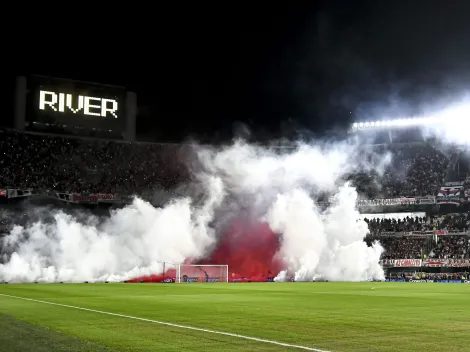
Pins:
x: 201, y: 273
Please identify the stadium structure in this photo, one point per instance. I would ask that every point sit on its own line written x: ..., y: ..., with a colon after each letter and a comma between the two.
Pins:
x: 68, y: 209
x: 420, y: 201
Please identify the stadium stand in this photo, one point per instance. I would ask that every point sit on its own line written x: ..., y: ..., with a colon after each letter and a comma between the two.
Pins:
x: 415, y: 170
x: 42, y: 161
x: 406, y: 247
x: 409, y: 240
x: 376, y: 226
x: 457, y: 222
x: 68, y: 164
x: 409, y: 247
x: 453, y: 247
x: 92, y: 165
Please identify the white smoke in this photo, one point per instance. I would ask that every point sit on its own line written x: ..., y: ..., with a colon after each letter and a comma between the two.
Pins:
x: 133, y: 242
x: 329, y: 246
x: 281, y: 186
x: 449, y: 124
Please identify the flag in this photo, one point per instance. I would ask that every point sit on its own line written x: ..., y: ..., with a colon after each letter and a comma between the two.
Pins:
x: 450, y: 191
x: 450, y: 195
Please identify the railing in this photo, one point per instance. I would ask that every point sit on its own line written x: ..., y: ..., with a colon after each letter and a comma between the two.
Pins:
x: 432, y: 263
x: 422, y: 233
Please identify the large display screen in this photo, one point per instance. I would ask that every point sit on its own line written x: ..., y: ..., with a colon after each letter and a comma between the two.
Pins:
x: 57, y: 101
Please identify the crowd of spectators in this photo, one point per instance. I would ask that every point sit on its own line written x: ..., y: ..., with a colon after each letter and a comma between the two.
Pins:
x: 428, y: 276
x: 452, y: 247
x: 415, y: 247
x: 442, y: 276
x: 399, y: 243
x: 414, y: 170
x: 91, y: 165
x: 406, y: 247
x: 45, y: 162
x: 396, y: 236
x: 378, y: 226
x: 87, y: 166
x: 456, y: 222
x: 452, y: 222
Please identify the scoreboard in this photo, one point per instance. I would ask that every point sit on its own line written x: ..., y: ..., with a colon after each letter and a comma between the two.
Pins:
x: 57, y: 101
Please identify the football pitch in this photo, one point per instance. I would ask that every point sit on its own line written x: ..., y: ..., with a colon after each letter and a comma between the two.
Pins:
x: 333, y: 317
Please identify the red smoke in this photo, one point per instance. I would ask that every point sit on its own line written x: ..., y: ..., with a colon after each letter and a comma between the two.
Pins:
x: 247, y: 248
x: 169, y: 275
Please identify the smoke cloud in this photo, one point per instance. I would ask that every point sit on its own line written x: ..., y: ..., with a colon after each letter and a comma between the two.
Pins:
x: 330, y: 246
x: 259, y: 214
x: 448, y: 123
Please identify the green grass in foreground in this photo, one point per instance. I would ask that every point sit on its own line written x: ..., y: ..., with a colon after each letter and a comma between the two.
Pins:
x: 329, y: 316
x: 20, y: 336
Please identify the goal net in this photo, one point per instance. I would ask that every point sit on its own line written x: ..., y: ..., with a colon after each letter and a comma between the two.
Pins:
x: 202, y: 273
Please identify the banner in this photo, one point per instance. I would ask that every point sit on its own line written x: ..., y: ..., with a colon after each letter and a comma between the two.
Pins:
x: 66, y: 197
x: 455, y: 183
x: 407, y: 263
x: 420, y: 280
x: 93, y: 198
x: 127, y: 198
x: 455, y: 232
x: 433, y: 263
x: 422, y: 233
x: 17, y: 193
x: 458, y: 263
x: 84, y: 198
x: 450, y: 195
x: 456, y: 281
x: 439, y: 233
x: 96, y: 198
x: 426, y: 200
x: 449, y: 281
x: 395, y: 201
x: 446, y: 263
x: 390, y: 233
x: 104, y: 197
x: 402, y: 263
x: 70, y: 197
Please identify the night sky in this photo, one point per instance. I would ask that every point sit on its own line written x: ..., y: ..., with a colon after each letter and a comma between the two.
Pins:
x: 202, y: 70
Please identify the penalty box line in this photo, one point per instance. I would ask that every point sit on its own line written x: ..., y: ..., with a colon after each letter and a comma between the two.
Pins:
x: 215, y: 332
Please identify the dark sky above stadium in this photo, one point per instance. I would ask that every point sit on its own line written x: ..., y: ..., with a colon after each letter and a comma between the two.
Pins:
x: 198, y: 69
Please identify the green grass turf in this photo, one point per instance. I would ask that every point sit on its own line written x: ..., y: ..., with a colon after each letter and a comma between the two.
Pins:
x: 330, y: 316
x: 20, y: 336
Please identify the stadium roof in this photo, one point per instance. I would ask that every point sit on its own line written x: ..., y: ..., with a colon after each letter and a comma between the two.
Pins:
x: 395, y: 123
x: 455, y: 114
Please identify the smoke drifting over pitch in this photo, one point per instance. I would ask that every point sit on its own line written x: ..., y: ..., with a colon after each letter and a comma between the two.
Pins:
x: 258, y: 215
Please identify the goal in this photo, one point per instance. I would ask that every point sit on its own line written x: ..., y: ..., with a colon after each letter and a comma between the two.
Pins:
x: 201, y: 273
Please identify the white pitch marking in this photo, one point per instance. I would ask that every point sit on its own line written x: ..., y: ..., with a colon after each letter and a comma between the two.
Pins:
x: 172, y: 325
